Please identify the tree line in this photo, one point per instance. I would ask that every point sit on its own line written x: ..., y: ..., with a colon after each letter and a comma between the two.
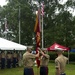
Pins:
x: 58, y: 27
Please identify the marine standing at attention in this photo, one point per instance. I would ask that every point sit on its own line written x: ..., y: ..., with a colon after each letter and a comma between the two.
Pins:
x: 60, y: 62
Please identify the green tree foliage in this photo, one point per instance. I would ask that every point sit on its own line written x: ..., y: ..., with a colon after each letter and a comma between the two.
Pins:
x: 58, y: 27
x: 11, y: 10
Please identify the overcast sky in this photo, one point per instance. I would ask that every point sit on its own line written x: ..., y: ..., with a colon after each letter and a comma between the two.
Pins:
x: 3, y: 2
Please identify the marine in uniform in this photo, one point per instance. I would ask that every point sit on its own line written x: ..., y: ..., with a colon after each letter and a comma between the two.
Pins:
x: 20, y: 57
x: 9, y: 58
x: 44, y: 60
x: 60, y: 62
x: 28, y: 61
x: 14, y: 59
x: 2, y: 60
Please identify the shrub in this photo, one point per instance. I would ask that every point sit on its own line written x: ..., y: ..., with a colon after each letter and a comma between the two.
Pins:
x: 71, y: 55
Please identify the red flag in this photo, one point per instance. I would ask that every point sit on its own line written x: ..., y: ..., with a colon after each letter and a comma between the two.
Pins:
x: 37, y: 37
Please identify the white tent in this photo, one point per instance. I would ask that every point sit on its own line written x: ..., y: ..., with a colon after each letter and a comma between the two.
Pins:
x: 9, y: 45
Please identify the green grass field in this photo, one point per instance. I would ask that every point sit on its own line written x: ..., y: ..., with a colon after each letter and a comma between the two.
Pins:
x: 70, y: 70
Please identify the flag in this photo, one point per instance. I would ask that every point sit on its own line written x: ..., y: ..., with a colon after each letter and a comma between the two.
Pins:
x: 42, y: 8
x: 37, y: 35
x: 6, y: 24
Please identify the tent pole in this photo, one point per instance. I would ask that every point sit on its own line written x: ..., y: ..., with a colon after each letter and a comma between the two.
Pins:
x: 68, y: 56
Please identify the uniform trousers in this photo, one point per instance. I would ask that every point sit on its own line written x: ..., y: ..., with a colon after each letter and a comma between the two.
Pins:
x: 2, y: 63
x: 43, y: 70
x: 8, y: 63
x: 28, y: 71
x: 63, y: 74
x: 14, y: 62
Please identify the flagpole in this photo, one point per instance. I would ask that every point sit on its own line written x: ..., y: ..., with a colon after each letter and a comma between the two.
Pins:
x: 19, y: 27
x: 42, y: 12
x: 42, y: 33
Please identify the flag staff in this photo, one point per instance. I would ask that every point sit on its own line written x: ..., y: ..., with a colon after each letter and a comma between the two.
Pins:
x: 42, y: 12
x: 42, y: 33
x: 19, y: 27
